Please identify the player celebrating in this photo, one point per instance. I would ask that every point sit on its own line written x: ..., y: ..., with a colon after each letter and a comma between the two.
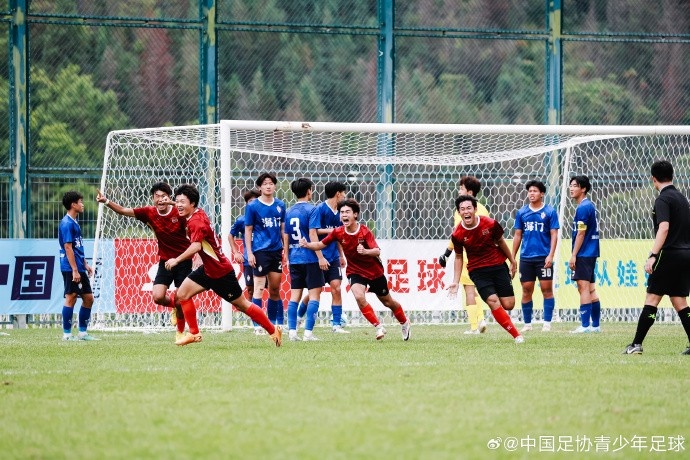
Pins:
x: 536, y: 228
x: 215, y: 274
x: 487, y: 251
x: 364, y: 267
x: 305, y: 272
x: 75, y: 270
x: 169, y: 229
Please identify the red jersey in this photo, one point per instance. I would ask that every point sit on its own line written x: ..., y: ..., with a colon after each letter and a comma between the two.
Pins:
x: 169, y: 230
x: 365, y: 266
x: 216, y: 265
x: 480, y: 243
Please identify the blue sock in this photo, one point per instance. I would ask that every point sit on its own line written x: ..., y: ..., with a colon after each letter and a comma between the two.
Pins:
x: 258, y: 303
x: 292, y: 315
x: 280, y: 314
x: 312, y: 311
x: 527, y: 311
x: 84, y: 316
x: 272, y: 310
x: 337, y: 314
x: 549, y: 305
x: 301, y: 310
x: 596, y: 313
x: 585, y: 313
x: 67, y: 314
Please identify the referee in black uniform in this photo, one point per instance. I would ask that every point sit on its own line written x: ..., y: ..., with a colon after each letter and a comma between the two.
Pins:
x: 668, y: 264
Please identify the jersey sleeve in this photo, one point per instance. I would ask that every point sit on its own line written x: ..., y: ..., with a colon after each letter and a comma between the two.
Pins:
x: 249, y: 216
x: 315, y: 218
x: 66, y: 234
x: 496, y: 231
x: 328, y: 239
x: 196, y: 232
x: 518, y: 220
x: 141, y: 214
x: 662, y: 211
x: 582, y: 215
x: 369, y: 239
x: 553, y: 220
x: 237, y: 228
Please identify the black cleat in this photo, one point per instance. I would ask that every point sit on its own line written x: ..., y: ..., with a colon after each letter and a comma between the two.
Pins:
x: 633, y: 349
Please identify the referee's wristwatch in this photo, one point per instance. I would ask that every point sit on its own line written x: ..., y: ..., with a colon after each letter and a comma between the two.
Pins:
x: 653, y: 256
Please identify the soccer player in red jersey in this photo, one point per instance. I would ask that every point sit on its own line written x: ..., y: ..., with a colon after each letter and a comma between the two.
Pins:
x: 364, y: 267
x: 169, y: 229
x: 487, y: 251
x: 215, y: 274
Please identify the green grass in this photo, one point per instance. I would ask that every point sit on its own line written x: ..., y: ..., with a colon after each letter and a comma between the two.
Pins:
x: 440, y: 395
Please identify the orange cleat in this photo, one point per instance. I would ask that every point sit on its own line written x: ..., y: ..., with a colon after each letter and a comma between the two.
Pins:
x: 187, y: 339
x: 277, y: 336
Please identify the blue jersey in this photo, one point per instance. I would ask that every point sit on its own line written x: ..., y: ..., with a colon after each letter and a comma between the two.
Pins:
x: 586, y: 219
x: 237, y: 232
x: 69, y: 231
x: 297, y: 227
x: 325, y: 217
x: 266, y: 220
x: 536, y: 229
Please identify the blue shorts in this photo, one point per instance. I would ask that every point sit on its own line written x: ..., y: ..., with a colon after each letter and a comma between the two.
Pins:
x: 379, y: 286
x: 248, y: 273
x: 308, y: 276
x: 334, y: 272
x: 80, y: 288
x: 226, y: 286
x: 493, y: 280
x: 268, y: 261
x: 531, y: 269
x: 584, y: 269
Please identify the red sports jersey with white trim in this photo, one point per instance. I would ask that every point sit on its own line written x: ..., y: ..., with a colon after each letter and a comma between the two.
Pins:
x: 480, y: 243
x: 199, y: 230
x: 169, y: 230
x: 365, y: 266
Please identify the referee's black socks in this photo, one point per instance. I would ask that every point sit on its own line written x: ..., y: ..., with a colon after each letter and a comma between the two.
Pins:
x: 645, y: 322
x: 684, y: 316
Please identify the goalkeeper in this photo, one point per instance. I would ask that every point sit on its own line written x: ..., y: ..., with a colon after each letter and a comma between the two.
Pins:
x: 469, y: 185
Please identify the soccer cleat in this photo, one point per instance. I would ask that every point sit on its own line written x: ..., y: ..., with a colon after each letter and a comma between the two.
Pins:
x: 406, y: 330
x: 309, y: 338
x: 686, y: 352
x: 343, y: 320
x: 519, y: 339
x: 292, y: 336
x: 633, y: 349
x: 178, y: 336
x: 173, y: 313
x: 546, y: 327
x: 340, y: 330
x: 482, y: 326
x: 380, y: 332
x: 526, y: 327
x: 472, y: 332
x: 277, y: 336
x: 187, y: 339
x: 67, y: 337
x: 581, y: 330
x: 86, y: 337
x: 595, y: 329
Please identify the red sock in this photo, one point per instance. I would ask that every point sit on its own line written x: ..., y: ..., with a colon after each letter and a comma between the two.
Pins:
x: 400, y: 315
x: 503, y: 319
x: 189, y: 310
x: 258, y: 316
x: 370, y: 315
x: 181, y: 322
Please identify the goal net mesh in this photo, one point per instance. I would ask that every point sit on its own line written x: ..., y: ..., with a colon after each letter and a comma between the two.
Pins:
x: 406, y: 180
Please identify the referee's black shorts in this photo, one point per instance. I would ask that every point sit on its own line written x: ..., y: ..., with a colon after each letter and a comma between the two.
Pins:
x: 671, y: 275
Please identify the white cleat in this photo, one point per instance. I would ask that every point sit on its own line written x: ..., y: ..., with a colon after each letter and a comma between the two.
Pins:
x: 406, y: 331
x: 471, y: 332
x: 595, y: 329
x: 309, y: 338
x: 482, y: 326
x: 340, y: 330
x: 526, y: 327
x: 546, y: 327
x: 380, y: 332
x: 581, y: 330
x: 292, y: 336
x: 519, y: 339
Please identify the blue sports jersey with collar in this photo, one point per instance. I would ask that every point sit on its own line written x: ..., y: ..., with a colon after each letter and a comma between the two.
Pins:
x: 296, y: 227
x: 69, y: 231
x: 237, y: 232
x: 265, y: 220
x: 324, y: 217
x: 587, y: 214
x: 536, y: 226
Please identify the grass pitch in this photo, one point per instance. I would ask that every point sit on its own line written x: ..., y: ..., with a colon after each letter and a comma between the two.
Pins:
x: 440, y: 395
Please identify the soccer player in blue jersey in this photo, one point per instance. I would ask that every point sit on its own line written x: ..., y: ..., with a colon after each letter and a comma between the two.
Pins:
x: 536, y: 232
x: 237, y: 232
x: 585, y: 253
x: 303, y: 263
x: 75, y: 270
x: 264, y: 220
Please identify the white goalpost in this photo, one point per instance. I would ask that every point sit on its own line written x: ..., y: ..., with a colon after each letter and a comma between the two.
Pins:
x: 405, y: 177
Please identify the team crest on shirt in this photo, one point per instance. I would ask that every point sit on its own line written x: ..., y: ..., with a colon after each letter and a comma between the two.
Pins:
x: 278, y: 208
x: 485, y: 232
x: 543, y: 215
x: 174, y: 220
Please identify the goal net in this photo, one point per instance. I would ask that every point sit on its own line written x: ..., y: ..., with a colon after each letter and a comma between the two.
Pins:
x: 405, y: 177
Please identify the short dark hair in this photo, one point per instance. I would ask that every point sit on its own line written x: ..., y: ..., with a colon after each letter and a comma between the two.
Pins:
x: 333, y: 187
x: 71, y: 197
x: 662, y: 171
x: 301, y: 186
x: 472, y: 184
x: 163, y: 187
x: 351, y: 203
x: 462, y: 198
x: 536, y: 183
x: 582, y: 181
x: 260, y: 180
x: 190, y: 191
x: 251, y: 193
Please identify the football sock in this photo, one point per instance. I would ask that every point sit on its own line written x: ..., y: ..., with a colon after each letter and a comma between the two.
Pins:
x: 502, y: 318
x: 370, y: 315
x: 596, y: 313
x: 67, y: 314
x: 292, y: 315
x: 684, y: 316
x: 312, y: 311
x: 258, y: 316
x: 644, y: 323
x: 259, y: 303
x: 301, y: 310
x: 280, y: 312
x: 549, y: 305
x: 272, y: 310
x: 527, y: 311
x: 189, y: 311
x: 585, y: 313
x: 337, y: 314
x: 472, y: 316
x: 400, y: 315
x: 84, y: 316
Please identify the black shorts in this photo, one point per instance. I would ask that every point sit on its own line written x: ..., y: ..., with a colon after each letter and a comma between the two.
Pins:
x: 531, y: 269
x: 492, y: 280
x: 671, y: 275
x: 584, y: 269
x: 268, y: 261
x: 177, y: 274
x: 379, y: 286
x: 334, y: 272
x: 308, y: 276
x: 80, y: 288
x: 226, y: 286
x: 248, y: 273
